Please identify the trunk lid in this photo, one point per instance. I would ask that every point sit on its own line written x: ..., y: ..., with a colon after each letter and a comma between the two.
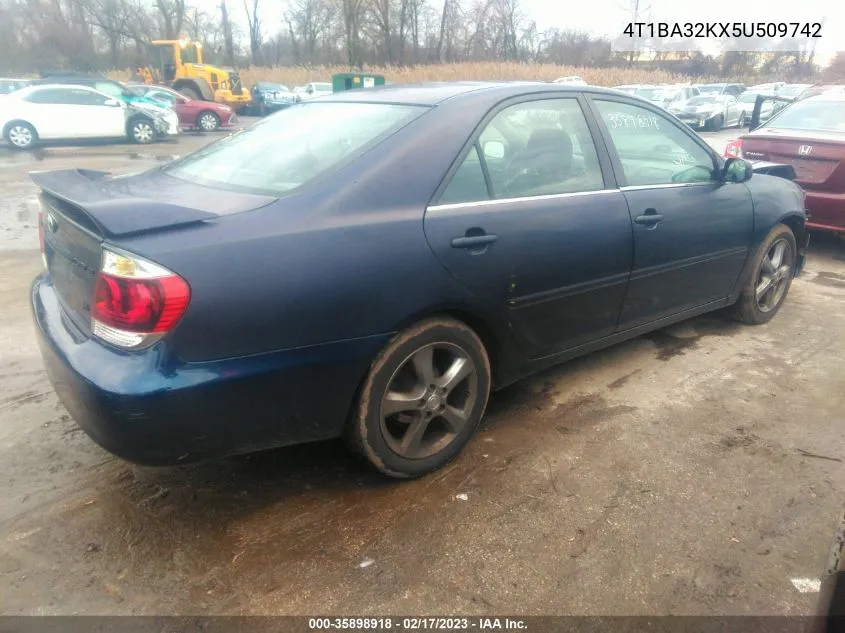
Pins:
x: 82, y: 209
x: 818, y: 159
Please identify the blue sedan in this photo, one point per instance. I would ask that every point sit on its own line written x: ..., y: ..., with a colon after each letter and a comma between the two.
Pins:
x: 412, y: 249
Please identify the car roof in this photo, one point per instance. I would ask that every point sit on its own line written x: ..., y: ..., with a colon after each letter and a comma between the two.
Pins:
x: 430, y: 94
x: 38, y: 87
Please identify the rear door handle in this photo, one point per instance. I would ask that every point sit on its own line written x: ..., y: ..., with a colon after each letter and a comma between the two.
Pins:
x: 474, y: 241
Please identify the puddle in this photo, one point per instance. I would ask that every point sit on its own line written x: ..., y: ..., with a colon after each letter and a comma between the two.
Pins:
x: 669, y: 344
x: 832, y: 280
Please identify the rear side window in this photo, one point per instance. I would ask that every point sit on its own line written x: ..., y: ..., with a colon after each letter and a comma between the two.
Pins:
x: 55, y: 95
x: 533, y: 148
x: 468, y: 183
x: 293, y: 146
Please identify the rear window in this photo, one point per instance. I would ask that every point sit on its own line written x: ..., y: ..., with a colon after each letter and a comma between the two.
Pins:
x: 294, y: 146
x: 811, y: 116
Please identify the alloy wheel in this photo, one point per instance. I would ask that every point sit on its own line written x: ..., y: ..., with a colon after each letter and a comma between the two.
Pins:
x: 20, y: 136
x: 773, y: 278
x: 208, y: 122
x: 429, y: 400
x: 142, y: 132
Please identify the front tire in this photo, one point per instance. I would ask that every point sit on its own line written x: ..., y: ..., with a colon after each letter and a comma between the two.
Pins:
x: 142, y: 131
x: 771, y: 276
x: 422, y: 400
x: 21, y: 136
x: 208, y: 121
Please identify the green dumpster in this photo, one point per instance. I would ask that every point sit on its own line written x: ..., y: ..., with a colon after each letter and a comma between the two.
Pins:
x: 349, y: 81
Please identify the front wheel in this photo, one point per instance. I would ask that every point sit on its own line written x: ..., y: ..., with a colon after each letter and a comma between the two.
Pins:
x: 422, y: 400
x: 21, y: 135
x: 770, y: 279
x: 141, y: 131
x: 208, y: 122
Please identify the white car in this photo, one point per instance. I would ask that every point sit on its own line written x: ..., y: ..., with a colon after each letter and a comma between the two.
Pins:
x: 313, y: 89
x: 65, y: 112
x: 572, y: 80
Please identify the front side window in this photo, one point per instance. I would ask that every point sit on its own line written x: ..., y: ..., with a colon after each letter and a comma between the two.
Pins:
x: 46, y: 96
x: 293, y: 146
x: 651, y: 149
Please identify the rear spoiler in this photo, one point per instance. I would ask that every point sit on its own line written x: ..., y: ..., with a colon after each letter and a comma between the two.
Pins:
x: 111, y: 205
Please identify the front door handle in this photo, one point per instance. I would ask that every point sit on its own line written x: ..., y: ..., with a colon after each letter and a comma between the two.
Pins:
x: 474, y: 241
x: 650, y: 218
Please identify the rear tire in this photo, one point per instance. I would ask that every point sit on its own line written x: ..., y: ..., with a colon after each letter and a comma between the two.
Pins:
x: 141, y: 130
x: 208, y: 121
x: 21, y: 135
x: 422, y: 400
x: 771, y: 276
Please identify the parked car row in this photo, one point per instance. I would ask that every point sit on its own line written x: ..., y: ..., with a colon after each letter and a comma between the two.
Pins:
x: 717, y: 105
x: 74, y: 106
x: 54, y: 112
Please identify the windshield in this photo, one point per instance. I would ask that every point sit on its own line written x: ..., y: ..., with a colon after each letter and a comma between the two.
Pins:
x: 647, y: 93
x: 711, y: 89
x: 811, y: 116
x: 292, y: 147
x: 666, y: 94
x: 792, y: 91
x: 271, y: 87
x: 703, y: 100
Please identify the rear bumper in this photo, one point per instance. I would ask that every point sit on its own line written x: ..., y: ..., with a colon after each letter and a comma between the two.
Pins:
x: 150, y: 408
x: 827, y: 211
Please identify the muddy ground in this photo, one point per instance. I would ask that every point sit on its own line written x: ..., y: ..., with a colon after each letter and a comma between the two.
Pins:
x: 696, y: 470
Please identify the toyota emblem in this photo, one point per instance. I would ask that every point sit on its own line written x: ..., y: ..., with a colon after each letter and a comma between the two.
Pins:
x: 805, y: 150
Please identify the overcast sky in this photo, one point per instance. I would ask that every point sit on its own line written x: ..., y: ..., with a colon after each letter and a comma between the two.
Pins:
x: 609, y: 17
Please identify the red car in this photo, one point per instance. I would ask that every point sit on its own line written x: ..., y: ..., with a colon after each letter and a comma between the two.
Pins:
x: 809, y: 135
x: 193, y: 114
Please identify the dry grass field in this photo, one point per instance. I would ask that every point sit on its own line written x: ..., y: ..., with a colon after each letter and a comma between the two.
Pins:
x: 298, y: 75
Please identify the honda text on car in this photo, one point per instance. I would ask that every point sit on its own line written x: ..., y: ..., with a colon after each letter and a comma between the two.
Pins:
x: 412, y: 248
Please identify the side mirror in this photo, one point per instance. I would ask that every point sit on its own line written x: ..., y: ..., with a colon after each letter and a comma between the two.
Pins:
x: 737, y: 170
x: 494, y: 149
x: 114, y: 103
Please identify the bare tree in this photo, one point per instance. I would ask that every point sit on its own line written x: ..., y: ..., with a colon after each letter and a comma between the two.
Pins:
x: 254, y: 30
x: 172, y: 13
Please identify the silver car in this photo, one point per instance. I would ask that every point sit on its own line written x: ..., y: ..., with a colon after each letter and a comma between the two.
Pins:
x: 711, y: 112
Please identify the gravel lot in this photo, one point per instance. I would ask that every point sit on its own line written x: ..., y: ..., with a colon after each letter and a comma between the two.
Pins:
x: 696, y: 470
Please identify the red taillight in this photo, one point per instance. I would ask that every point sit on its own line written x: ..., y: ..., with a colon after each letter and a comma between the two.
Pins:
x: 136, y: 301
x: 734, y: 149
x: 140, y: 305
